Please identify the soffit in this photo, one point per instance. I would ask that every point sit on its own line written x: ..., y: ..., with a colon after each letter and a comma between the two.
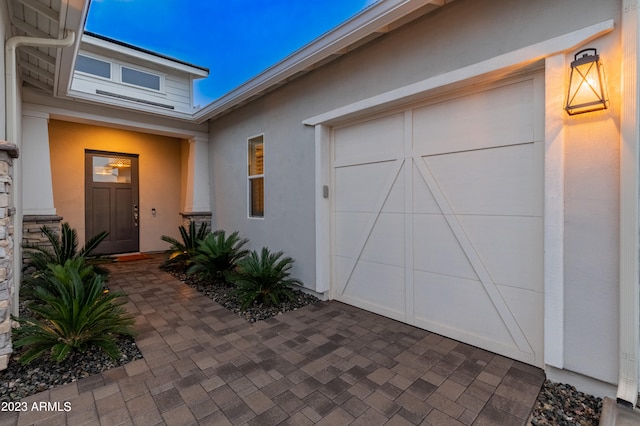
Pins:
x: 41, y: 66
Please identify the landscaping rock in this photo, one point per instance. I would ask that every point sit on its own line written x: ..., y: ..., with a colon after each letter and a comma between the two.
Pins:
x: 19, y: 381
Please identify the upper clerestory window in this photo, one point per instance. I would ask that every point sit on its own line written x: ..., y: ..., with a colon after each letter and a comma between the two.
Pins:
x: 93, y: 66
x: 140, y: 78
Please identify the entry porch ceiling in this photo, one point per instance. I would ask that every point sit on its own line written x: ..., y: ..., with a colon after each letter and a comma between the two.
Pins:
x: 44, y: 67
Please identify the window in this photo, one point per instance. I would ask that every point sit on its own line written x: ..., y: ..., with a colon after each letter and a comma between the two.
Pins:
x: 93, y: 66
x: 111, y: 169
x: 140, y: 78
x: 256, y: 176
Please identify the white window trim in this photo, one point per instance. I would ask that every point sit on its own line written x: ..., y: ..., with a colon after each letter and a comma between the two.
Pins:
x: 95, y: 75
x: 116, y: 73
x: 251, y: 177
x: 143, y: 70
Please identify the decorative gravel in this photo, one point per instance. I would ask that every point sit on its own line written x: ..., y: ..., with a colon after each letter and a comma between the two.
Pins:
x: 19, y: 381
x: 562, y: 405
x: 220, y: 291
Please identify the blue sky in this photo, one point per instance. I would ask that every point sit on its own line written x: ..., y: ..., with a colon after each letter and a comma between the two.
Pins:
x: 235, y: 39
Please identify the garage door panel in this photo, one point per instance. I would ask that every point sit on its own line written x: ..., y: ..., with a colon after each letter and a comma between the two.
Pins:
x: 359, y: 188
x: 497, y: 181
x: 458, y: 304
x: 502, y: 116
x: 351, y: 228
x: 527, y: 307
x: 381, y: 138
x: 508, y: 248
x: 395, y: 200
x: 436, y: 249
x: 385, y: 243
x: 373, y: 283
x: 447, y: 233
x: 423, y: 200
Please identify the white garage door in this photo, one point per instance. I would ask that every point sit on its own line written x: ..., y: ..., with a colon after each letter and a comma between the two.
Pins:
x: 437, y: 217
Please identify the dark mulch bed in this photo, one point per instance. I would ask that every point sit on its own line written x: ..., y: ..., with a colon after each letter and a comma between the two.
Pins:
x: 19, y: 381
x: 220, y: 291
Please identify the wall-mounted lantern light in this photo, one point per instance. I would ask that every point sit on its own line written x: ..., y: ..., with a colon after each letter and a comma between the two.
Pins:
x: 587, y: 91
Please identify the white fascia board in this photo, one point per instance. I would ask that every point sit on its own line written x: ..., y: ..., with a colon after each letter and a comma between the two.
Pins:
x: 73, y: 14
x: 100, y: 115
x: 363, y: 24
x: 136, y: 56
x: 124, y: 104
x: 508, y: 61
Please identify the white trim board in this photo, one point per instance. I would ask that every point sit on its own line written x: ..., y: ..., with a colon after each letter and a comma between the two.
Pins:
x: 103, y: 116
x: 509, y: 61
x: 629, y: 308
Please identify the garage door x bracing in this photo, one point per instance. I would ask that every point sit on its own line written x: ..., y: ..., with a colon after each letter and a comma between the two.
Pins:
x: 437, y: 217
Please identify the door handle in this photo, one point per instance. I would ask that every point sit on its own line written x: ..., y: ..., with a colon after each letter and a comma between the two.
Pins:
x: 135, y: 215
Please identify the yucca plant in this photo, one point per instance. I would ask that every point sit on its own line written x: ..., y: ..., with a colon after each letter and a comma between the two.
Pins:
x: 263, y: 277
x: 181, y: 252
x: 217, y: 255
x: 72, y: 313
x: 62, y: 248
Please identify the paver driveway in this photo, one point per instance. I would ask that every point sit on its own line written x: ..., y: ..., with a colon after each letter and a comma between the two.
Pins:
x: 327, y: 363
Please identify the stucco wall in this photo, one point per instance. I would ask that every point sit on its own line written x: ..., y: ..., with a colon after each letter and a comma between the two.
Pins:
x: 159, y: 175
x: 591, y: 240
x: 457, y: 35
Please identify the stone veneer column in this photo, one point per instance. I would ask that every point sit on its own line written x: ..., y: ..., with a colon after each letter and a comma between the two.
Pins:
x: 31, y: 233
x: 8, y: 151
x: 197, y: 217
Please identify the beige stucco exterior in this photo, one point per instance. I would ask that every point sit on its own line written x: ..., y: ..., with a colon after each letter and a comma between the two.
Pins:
x: 160, y: 175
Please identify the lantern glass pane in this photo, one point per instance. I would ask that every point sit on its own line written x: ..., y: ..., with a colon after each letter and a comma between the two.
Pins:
x: 586, y: 91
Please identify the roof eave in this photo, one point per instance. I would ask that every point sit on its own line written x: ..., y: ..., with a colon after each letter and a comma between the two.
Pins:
x: 73, y: 15
x: 374, y: 19
x: 108, y: 44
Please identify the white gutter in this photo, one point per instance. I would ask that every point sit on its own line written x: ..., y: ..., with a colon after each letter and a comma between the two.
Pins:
x: 11, y: 105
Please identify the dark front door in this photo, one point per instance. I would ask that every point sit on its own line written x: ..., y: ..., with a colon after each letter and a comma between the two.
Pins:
x: 111, y: 200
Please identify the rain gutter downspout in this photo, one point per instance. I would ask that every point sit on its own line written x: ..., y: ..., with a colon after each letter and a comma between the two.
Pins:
x: 11, y: 107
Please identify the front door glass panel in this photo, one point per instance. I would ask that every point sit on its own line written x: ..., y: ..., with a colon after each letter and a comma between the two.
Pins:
x: 111, y: 169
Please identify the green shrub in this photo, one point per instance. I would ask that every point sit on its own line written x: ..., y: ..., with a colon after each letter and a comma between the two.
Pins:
x: 63, y: 248
x: 181, y: 252
x: 263, y: 277
x: 217, y: 255
x: 72, y: 313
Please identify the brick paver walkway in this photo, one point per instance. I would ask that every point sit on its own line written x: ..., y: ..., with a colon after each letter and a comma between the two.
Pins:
x: 328, y: 364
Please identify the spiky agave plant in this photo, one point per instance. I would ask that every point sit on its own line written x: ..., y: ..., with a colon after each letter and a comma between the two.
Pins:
x: 217, y: 255
x: 263, y: 277
x: 72, y: 313
x: 181, y: 252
